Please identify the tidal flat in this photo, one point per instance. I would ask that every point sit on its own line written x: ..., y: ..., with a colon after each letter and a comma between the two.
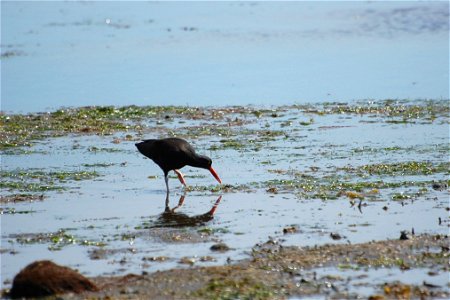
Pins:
x: 313, y: 179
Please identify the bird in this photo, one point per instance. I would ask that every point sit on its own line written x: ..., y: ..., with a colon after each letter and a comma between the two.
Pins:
x: 173, y: 154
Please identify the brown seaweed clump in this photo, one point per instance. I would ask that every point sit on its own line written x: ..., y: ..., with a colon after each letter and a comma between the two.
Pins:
x: 45, y: 278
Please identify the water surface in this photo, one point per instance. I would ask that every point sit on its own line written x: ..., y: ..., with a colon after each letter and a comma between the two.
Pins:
x: 285, y: 167
x: 202, y: 53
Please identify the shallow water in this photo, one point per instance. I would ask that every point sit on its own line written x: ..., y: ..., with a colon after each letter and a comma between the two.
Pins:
x: 116, y: 223
x: 362, y: 282
x: 58, y: 54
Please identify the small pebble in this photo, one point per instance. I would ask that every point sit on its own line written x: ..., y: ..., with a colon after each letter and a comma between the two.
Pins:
x: 222, y: 247
x: 335, y: 236
x: 439, y: 186
x: 290, y: 229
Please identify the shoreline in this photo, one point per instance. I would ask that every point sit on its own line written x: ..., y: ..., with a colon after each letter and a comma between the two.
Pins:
x: 277, y: 272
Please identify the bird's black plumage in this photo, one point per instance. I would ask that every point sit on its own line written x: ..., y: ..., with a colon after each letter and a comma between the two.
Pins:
x: 173, y: 154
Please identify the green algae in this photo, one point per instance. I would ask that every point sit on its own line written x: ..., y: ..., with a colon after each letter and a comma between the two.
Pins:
x: 402, y: 168
x: 225, y: 188
x: 304, y: 123
x: 104, y: 149
x: 212, y: 231
x: 22, y: 130
x: 328, y: 188
x: 41, y: 181
x: 61, y: 176
x: 13, y: 211
x: 409, y: 195
x: 227, y: 144
x: 231, y: 137
x: 29, y: 187
x: 239, y: 288
x: 21, y: 151
x: 98, y: 165
x: 334, y: 185
x: 404, y: 109
x: 131, y: 112
x: 226, y: 124
x: 56, y: 240
x: 21, y: 197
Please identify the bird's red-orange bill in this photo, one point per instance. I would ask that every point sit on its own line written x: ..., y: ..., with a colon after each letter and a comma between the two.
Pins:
x: 213, y: 172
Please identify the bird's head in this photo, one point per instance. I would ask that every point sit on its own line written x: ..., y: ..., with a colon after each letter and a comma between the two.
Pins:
x: 205, y: 162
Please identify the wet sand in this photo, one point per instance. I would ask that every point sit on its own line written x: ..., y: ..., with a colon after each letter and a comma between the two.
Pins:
x: 277, y: 272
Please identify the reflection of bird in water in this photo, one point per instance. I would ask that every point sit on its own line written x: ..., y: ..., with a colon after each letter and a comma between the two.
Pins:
x: 170, y: 218
x: 173, y: 154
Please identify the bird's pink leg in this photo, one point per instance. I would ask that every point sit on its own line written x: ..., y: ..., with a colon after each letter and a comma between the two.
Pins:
x: 180, y: 176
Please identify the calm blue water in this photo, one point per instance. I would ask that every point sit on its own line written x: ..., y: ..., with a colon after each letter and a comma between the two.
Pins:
x: 57, y: 54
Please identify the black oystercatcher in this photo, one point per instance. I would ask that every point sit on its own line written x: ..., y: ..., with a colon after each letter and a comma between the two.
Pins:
x: 173, y: 154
